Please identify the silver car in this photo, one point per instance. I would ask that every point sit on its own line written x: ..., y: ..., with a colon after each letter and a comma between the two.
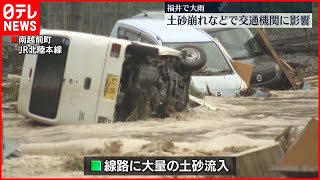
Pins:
x: 218, y: 77
x: 242, y: 45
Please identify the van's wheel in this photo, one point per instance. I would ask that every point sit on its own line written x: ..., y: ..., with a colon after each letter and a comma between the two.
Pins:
x: 194, y: 58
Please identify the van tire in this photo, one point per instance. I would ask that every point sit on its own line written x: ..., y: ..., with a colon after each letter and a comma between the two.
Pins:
x: 195, y: 59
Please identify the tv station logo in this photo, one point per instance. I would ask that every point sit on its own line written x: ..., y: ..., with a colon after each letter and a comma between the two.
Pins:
x: 20, y: 17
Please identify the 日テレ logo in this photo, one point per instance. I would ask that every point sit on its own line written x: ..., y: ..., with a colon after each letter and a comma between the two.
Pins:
x: 20, y: 17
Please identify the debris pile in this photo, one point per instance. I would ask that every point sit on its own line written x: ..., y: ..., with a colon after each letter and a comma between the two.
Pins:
x: 301, y: 157
x: 255, y: 92
x: 287, y: 137
x: 10, y: 88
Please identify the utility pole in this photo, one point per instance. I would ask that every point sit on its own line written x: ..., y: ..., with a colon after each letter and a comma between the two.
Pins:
x: 74, y: 16
x: 49, y: 16
x: 65, y: 15
x: 91, y: 18
x: 308, y: 39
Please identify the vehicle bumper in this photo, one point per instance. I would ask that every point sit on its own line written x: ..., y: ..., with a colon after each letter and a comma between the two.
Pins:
x: 273, y: 83
x: 231, y: 93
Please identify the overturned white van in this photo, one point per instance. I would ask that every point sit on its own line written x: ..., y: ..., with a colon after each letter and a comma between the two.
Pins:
x: 98, y: 79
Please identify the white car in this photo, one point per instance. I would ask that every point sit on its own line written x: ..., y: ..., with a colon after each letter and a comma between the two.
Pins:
x: 217, y: 78
x: 98, y: 79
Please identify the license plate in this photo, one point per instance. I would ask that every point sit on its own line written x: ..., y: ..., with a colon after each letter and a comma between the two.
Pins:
x: 111, y: 87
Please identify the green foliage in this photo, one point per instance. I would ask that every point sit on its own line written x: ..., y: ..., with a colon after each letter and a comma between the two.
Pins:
x: 314, y: 14
x: 96, y: 17
x: 44, y: 14
x: 10, y: 94
x: 74, y: 163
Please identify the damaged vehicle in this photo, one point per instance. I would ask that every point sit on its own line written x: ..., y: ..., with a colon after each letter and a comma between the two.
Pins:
x: 243, y: 46
x: 218, y: 76
x: 98, y: 79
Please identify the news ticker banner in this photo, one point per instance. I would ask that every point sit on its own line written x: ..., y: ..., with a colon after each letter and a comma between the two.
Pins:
x: 22, y: 17
x: 94, y: 165
x: 239, y: 14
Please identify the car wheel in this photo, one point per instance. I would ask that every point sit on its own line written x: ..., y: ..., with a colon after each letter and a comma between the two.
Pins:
x: 193, y: 58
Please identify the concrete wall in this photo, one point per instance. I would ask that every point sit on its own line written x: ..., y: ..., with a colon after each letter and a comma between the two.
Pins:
x: 258, y: 162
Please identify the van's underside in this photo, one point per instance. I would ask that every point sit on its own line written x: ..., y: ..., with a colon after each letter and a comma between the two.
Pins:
x: 151, y: 85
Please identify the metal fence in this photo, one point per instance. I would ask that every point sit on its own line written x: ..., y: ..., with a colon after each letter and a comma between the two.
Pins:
x: 96, y: 18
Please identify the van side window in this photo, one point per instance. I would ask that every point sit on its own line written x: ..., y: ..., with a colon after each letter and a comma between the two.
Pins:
x: 121, y: 33
x: 128, y: 35
x: 145, y: 39
x: 132, y: 36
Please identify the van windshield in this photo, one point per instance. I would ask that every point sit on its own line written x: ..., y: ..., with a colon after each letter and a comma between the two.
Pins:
x: 240, y: 43
x: 216, y: 61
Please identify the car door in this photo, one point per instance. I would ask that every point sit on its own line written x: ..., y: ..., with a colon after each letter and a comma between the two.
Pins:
x: 82, y: 80
x: 47, y: 80
x: 220, y: 85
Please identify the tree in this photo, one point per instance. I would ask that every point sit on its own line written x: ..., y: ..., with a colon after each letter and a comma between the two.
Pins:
x: 74, y: 16
x: 44, y: 14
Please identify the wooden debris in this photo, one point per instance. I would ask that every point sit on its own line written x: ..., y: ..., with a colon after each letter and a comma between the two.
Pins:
x: 284, y: 67
x: 14, y: 78
x: 201, y: 102
x: 286, y: 138
x: 243, y: 70
x: 313, y: 78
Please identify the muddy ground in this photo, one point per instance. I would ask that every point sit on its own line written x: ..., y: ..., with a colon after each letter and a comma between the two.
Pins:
x: 306, y: 62
x: 238, y: 124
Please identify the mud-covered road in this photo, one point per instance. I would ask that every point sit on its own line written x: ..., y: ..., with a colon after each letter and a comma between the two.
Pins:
x: 238, y: 124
